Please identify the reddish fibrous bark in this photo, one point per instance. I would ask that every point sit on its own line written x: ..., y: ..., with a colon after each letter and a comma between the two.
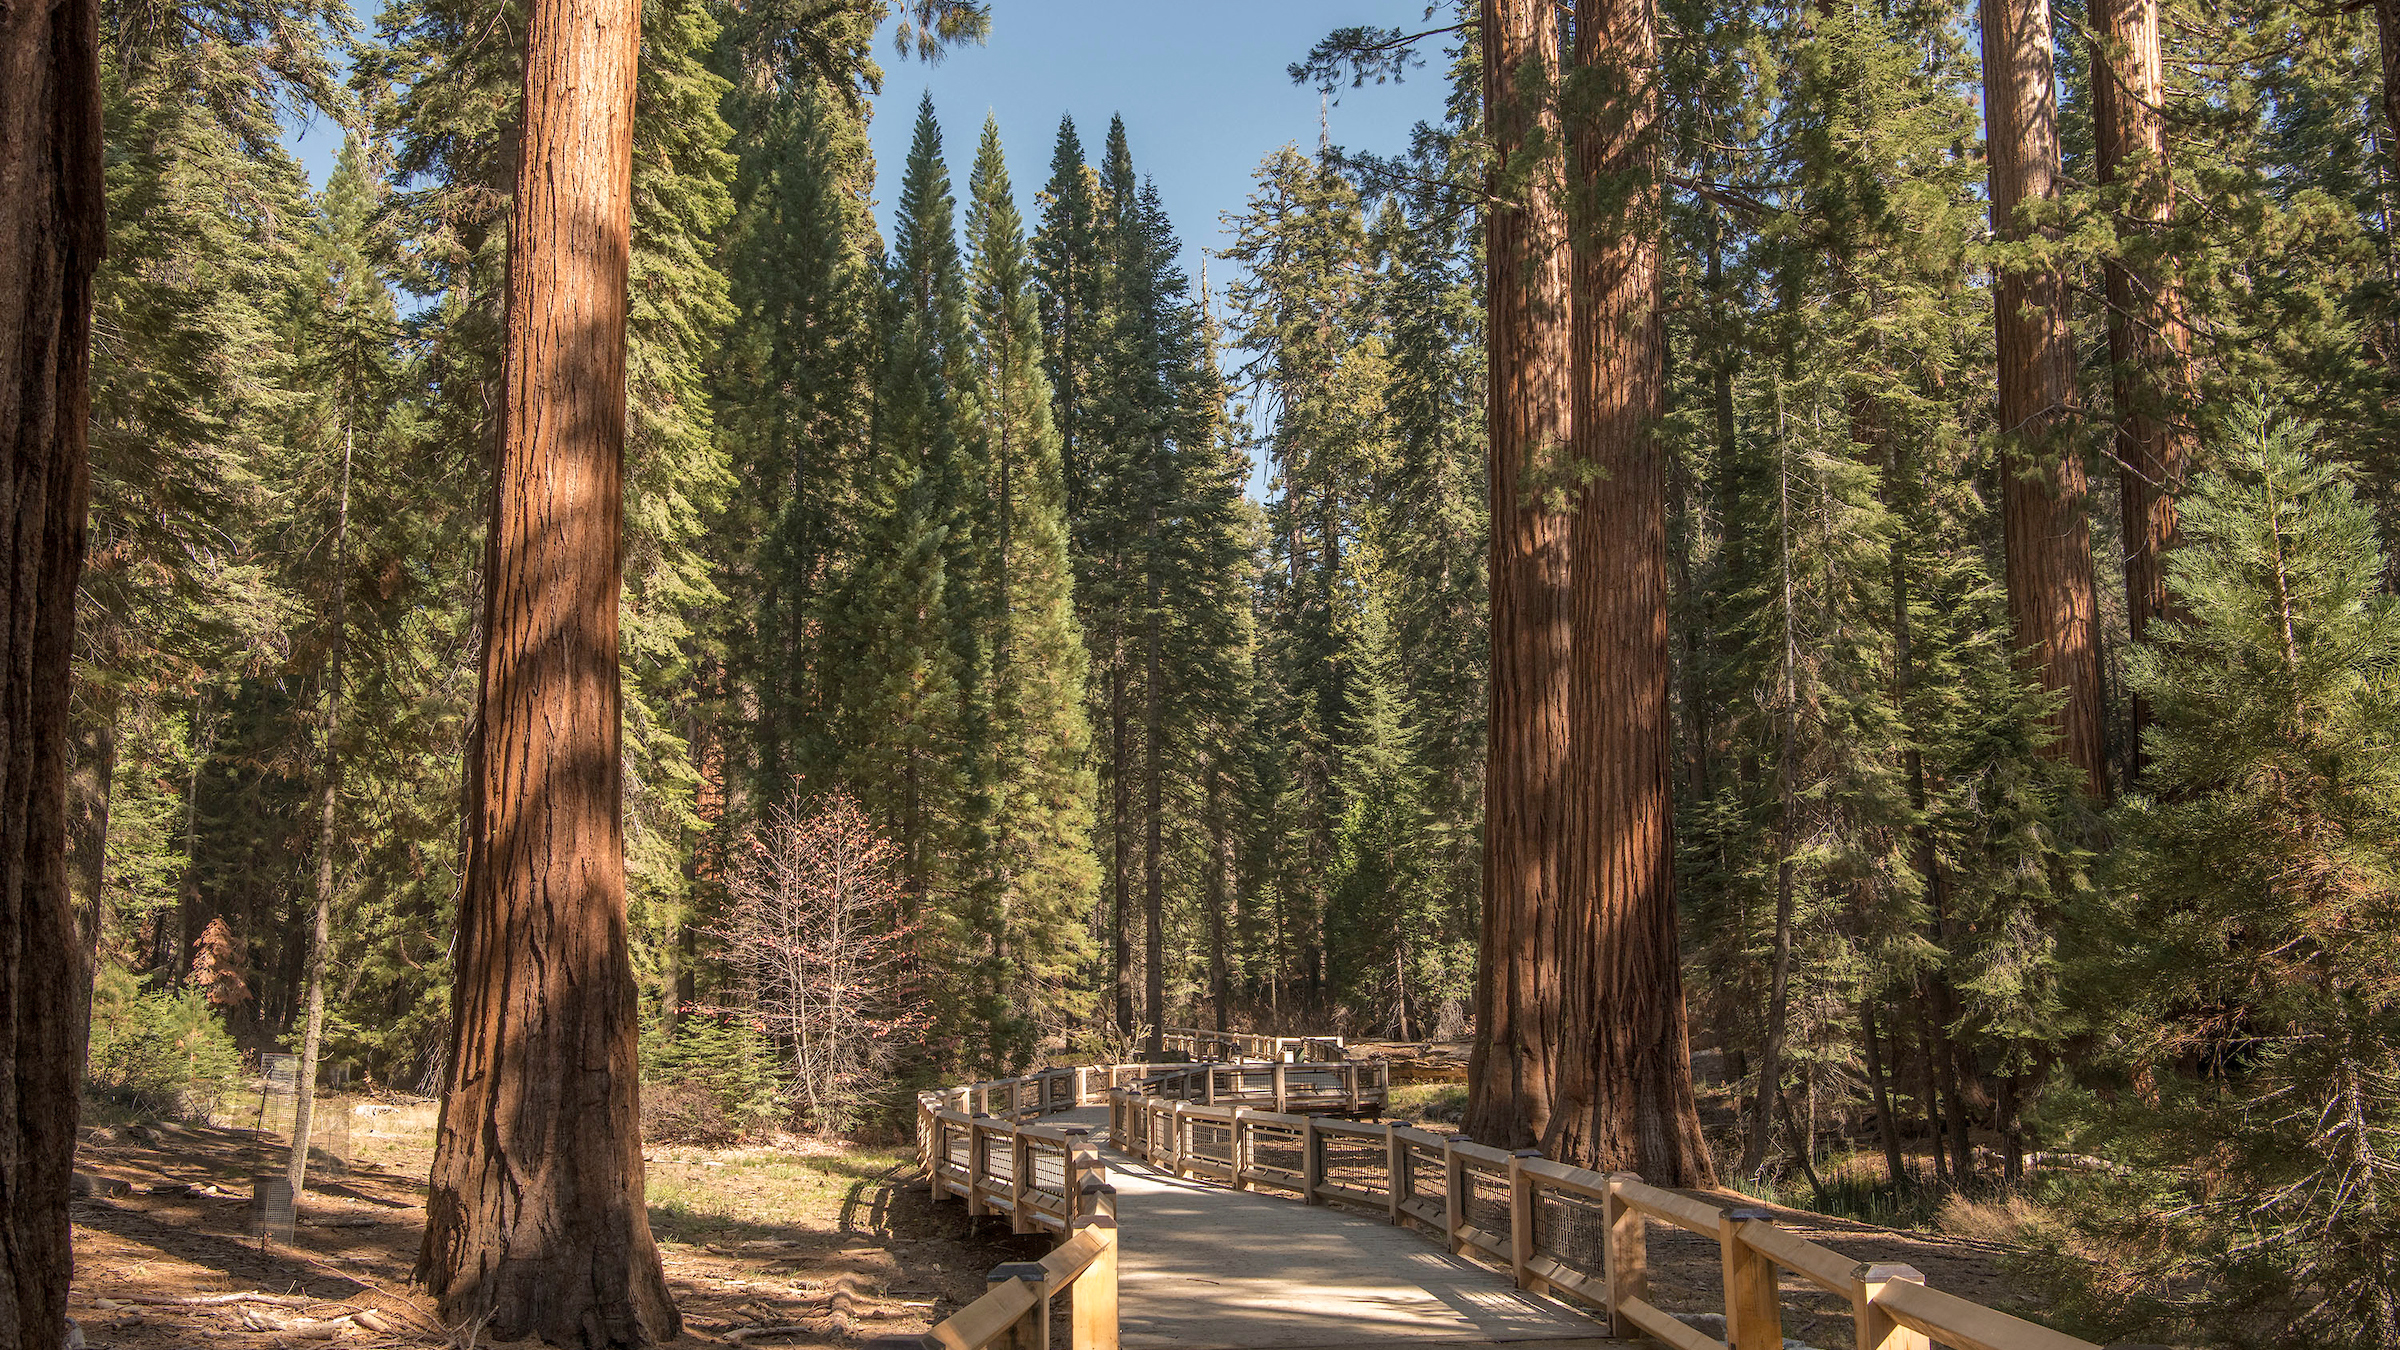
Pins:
x: 2149, y: 345
x: 2046, y: 527
x: 535, y: 1217
x: 52, y: 236
x: 1625, y: 1086
x: 1518, y: 1012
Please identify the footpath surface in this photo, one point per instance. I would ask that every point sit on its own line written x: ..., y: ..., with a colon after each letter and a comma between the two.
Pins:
x: 1204, y: 1267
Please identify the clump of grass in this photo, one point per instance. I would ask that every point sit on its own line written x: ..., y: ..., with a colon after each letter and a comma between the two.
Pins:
x: 1428, y: 1103
x: 743, y: 1195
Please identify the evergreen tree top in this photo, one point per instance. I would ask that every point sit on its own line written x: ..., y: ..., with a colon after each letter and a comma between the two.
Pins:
x: 925, y: 262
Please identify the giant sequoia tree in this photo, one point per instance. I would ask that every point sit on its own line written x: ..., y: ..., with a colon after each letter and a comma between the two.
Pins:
x: 1625, y: 1084
x: 2043, y: 487
x: 535, y: 1215
x: 1512, y: 1080
x: 51, y: 239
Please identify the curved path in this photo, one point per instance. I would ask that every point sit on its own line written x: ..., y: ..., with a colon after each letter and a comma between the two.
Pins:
x: 1205, y: 1267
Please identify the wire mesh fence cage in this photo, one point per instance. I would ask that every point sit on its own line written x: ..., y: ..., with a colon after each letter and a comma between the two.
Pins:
x: 1572, y: 1230
x: 1485, y: 1200
x: 1210, y: 1139
x: 1275, y: 1155
x: 1354, y: 1163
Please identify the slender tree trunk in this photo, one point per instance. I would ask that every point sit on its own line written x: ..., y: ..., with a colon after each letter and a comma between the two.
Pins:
x: 91, y: 782
x: 535, y: 1215
x: 1512, y: 1072
x: 1220, y: 898
x: 2148, y: 344
x: 1879, y: 1087
x: 312, y: 1036
x: 1770, y: 1053
x: 1121, y: 842
x: 1625, y: 1100
x: 1154, y: 889
x: 52, y: 235
x: 2046, y: 526
x: 2387, y: 30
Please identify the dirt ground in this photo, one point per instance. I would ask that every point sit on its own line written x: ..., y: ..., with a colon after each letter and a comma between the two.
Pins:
x: 808, y: 1245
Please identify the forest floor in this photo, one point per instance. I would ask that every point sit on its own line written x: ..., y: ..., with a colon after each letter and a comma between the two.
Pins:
x: 826, y: 1243
x: 830, y: 1243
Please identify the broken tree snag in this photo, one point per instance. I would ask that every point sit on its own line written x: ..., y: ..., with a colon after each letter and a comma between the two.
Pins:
x: 535, y: 1215
x: 2045, y: 523
x: 1512, y: 1075
x: 1625, y: 1099
x: 52, y: 235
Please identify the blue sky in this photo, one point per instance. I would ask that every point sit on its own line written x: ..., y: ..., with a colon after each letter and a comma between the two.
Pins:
x: 1204, y: 98
x: 1200, y: 83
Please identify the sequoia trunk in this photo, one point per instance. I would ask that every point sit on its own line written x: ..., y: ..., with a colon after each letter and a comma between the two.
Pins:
x: 535, y: 1216
x: 52, y: 235
x: 1511, y: 1078
x: 1625, y: 1100
x: 2045, y: 525
x: 2148, y: 344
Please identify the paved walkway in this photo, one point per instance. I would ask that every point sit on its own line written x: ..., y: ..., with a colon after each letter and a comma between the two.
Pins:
x: 1205, y: 1267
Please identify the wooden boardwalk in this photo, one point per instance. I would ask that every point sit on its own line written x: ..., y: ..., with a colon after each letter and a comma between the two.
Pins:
x: 1204, y: 1267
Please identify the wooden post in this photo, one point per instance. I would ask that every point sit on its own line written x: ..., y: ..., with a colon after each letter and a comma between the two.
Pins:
x: 1032, y: 1331
x: 1395, y: 1170
x: 1876, y: 1329
x: 1092, y: 1300
x: 1454, y: 1197
x: 1627, y: 1256
x: 1753, y: 1303
x: 1175, y: 1129
x: 1281, y: 1090
x: 1350, y: 1087
x: 1208, y: 1086
x: 1523, y: 1196
x: 1071, y: 1176
x: 1312, y: 1160
x: 1241, y: 1148
x: 975, y: 1165
x: 1020, y: 1182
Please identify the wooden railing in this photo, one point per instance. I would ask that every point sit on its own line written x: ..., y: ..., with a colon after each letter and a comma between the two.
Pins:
x: 1559, y: 1230
x: 1241, y: 1045
x: 1014, y: 1313
x: 1351, y: 1087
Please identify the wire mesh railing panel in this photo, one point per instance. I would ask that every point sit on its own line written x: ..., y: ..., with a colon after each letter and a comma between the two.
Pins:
x: 1276, y: 1149
x: 1209, y: 1139
x: 1049, y: 1173
x: 1486, y: 1201
x: 1427, y: 1179
x: 1353, y: 1163
x: 1571, y: 1230
x: 999, y: 1159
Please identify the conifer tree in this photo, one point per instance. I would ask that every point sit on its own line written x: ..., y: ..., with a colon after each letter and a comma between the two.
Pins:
x: 1036, y: 877
x: 2241, y: 964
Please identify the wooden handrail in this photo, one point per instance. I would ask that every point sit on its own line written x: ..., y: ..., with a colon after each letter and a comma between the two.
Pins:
x: 1154, y: 1112
x: 1891, y: 1306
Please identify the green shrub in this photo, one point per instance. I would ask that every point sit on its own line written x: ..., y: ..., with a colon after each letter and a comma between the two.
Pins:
x: 157, y: 1054
x: 708, y: 1078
